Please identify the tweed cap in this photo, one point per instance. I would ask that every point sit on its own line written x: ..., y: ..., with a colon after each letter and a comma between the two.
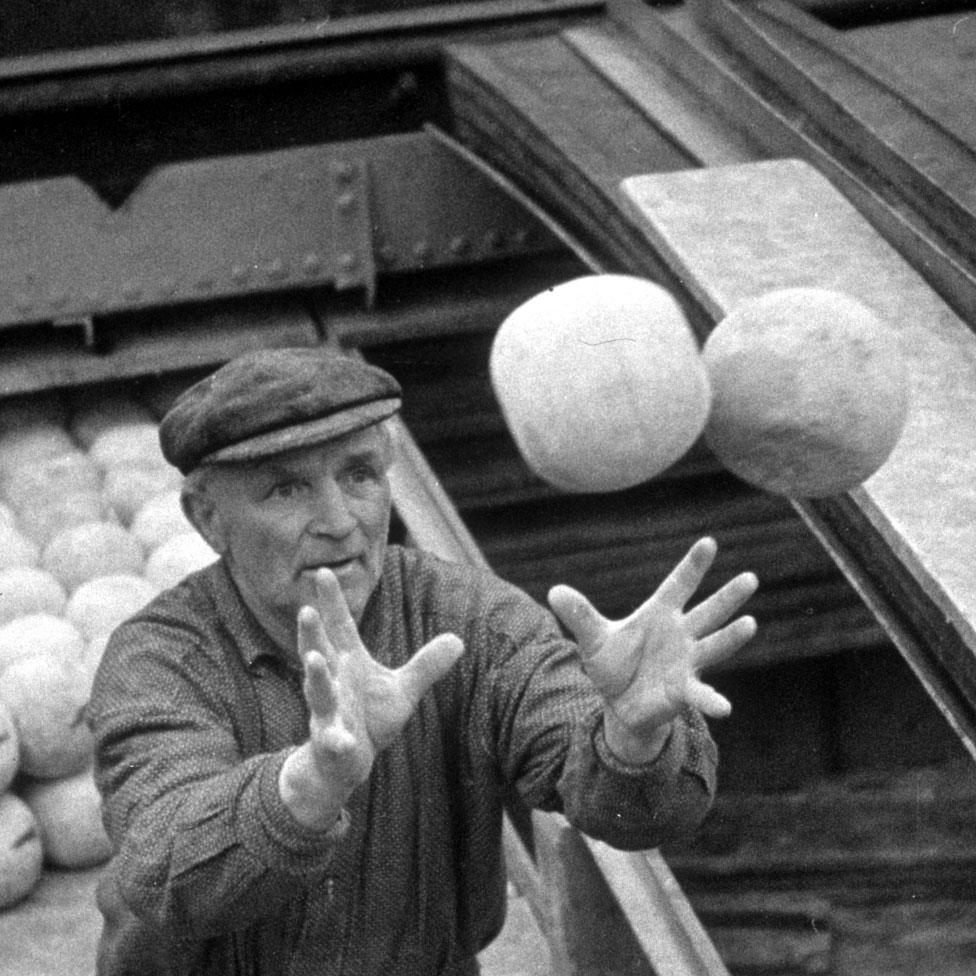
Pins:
x: 274, y: 400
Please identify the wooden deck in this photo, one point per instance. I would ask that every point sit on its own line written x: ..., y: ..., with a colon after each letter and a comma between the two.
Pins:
x: 54, y: 932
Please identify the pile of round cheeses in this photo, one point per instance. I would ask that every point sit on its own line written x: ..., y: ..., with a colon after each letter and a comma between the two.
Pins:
x: 91, y: 529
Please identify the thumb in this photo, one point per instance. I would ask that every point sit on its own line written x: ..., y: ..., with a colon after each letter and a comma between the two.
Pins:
x: 430, y: 664
x: 580, y: 618
x: 707, y: 700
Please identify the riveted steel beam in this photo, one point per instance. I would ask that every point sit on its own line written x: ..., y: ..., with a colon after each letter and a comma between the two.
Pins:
x: 310, y: 217
x: 355, y: 264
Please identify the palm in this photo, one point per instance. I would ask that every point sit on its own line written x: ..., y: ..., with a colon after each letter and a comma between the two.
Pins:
x: 642, y: 669
x: 646, y: 666
x: 357, y: 705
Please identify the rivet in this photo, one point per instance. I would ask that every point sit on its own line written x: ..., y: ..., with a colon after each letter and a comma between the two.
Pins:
x: 458, y: 245
x: 345, y: 171
x: 311, y: 263
x: 386, y: 254
x: 346, y: 201
x: 493, y: 239
x: 421, y: 249
x: 131, y: 291
x: 276, y: 268
x: 522, y: 236
x: 239, y: 272
x: 348, y: 261
x: 167, y: 286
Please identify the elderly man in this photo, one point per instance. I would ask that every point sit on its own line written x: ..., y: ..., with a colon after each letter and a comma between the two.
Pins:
x: 303, y: 749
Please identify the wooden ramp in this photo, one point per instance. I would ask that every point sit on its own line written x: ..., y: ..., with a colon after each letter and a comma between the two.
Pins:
x: 55, y: 933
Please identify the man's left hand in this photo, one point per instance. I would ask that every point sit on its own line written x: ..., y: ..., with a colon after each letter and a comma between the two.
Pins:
x: 646, y: 666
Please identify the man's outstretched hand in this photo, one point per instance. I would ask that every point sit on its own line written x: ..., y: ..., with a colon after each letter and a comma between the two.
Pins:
x: 357, y: 706
x: 646, y: 667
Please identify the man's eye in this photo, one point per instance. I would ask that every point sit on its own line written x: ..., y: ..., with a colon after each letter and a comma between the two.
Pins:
x: 284, y: 490
x: 361, y: 475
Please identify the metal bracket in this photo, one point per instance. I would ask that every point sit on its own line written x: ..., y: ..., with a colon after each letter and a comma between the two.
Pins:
x: 85, y: 323
x: 355, y: 264
x: 288, y: 220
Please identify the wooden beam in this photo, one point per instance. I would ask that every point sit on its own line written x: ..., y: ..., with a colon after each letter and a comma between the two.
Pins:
x: 599, y: 920
x: 674, y: 942
x: 905, y: 538
x: 686, y: 40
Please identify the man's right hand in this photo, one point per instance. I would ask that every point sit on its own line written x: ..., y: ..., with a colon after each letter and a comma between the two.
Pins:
x: 357, y: 706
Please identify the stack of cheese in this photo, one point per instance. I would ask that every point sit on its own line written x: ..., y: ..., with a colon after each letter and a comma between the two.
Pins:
x: 91, y: 529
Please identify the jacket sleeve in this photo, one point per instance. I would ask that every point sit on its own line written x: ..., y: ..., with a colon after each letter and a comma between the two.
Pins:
x: 545, y: 722
x: 202, y: 842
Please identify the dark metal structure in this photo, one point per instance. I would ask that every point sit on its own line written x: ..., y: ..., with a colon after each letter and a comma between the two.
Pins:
x: 183, y: 183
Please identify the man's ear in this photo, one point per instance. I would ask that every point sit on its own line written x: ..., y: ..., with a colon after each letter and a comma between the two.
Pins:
x: 204, y: 515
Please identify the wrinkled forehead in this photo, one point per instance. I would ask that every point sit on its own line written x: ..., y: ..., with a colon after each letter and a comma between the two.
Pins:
x: 373, y: 444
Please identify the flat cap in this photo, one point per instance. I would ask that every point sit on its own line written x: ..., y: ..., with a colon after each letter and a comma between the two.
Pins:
x: 274, y: 400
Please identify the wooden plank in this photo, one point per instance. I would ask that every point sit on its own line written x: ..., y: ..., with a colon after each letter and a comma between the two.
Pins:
x: 931, y: 168
x: 927, y: 58
x: 686, y: 118
x: 861, y: 837
x: 908, y: 939
x: 601, y: 907
x: 519, y: 949
x: 426, y: 510
x: 53, y: 932
x: 569, y: 154
x: 905, y: 538
x: 782, y: 127
x: 774, y: 933
x: 582, y: 920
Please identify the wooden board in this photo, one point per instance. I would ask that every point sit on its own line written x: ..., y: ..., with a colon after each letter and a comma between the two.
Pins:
x: 930, y: 59
x: 55, y: 930
x: 906, y: 538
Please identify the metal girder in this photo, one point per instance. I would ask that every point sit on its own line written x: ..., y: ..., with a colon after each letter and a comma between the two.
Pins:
x: 327, y: 215
x: 258, y: 56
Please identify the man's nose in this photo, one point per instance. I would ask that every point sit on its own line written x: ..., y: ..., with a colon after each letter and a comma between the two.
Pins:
x: 331, y: 513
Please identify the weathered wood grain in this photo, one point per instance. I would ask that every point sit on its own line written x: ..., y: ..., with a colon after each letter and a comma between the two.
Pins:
x: 905, y: 538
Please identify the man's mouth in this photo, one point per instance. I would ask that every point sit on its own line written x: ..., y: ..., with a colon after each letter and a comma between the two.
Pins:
x: 338, y: 566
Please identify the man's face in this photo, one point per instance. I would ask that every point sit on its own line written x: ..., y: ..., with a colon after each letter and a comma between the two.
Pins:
x: 279, y: 519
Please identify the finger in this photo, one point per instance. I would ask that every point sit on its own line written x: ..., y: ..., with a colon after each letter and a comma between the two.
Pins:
x: 312, y: 636
x: 320, y: 688
x: 430, y: 664
x: 686, y: 577
x: 707, y: 700
x: 724, y: 643
x: 580, y: 618
x: 334, y: 610
x: 335, y: 738
x: 712, y: 613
